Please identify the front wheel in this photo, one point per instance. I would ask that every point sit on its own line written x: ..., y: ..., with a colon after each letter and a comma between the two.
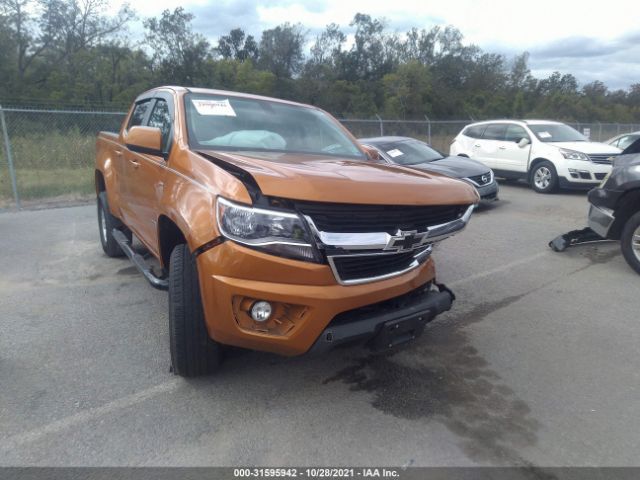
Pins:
x: 193, y: 352
x: 544, y: 178
x: 630, y: 242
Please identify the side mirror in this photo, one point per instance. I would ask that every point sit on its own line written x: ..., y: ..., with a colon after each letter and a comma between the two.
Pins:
x: 524, y: 141
x: 372, y: 153
x: 145, y: 140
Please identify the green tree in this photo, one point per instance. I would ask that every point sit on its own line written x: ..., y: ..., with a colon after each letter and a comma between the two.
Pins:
x: 281, y: 50
x: 238, y: 46
x: 179, y: 54
x: 407, y: 91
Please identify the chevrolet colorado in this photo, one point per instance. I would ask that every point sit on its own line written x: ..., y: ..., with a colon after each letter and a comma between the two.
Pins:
x: 271, y: 230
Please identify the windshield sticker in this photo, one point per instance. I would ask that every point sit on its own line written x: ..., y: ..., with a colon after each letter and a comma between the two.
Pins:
x: 394, y: 153
x: 220, y: 108
x: 544, y: 135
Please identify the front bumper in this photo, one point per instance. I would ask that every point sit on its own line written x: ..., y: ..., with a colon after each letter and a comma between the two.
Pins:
x: 306, y: 295
x: 577, y: 174
x: 600, y: 220
x: 387, y: 325
x: 488, y: 192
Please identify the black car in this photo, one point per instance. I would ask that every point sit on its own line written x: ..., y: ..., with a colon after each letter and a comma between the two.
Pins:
x: 615, y: 205
x: 413, y: 153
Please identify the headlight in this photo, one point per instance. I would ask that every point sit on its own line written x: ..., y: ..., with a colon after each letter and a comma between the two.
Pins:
x: 573, y: 155
x: 275, y: 232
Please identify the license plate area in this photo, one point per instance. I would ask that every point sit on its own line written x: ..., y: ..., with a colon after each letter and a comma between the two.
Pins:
x: 396, y: 332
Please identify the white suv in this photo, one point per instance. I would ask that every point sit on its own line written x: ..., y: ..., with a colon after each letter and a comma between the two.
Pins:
x: 547, y: 154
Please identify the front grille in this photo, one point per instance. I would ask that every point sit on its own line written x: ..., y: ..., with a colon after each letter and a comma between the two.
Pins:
x: 603, y: 158
x: 481, y: 180
x: 353, y: 268
x: 349, y: 218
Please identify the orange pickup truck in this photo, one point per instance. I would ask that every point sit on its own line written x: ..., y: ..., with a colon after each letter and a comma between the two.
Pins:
x: 270, y: 226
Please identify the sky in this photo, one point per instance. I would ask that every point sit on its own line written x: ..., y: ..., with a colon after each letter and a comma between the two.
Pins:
x: 592, y: 40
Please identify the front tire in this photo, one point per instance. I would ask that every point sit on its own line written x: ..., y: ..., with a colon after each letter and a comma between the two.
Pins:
x: 630, y: 242
x: 106, y: 223
x: 193, y: 352
x: 544, y: 178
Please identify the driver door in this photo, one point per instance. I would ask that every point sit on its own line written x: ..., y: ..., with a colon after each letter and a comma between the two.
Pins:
x: 145, y: 178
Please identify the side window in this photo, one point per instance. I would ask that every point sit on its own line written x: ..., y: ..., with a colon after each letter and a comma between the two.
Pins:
x: 139, y: 113
x: 515, y: 133
x: 475, y: 131
x: 495, y: 131
x: 160, y: 118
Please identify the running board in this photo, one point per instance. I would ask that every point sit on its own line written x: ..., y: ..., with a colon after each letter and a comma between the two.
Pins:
x: 139, y: 261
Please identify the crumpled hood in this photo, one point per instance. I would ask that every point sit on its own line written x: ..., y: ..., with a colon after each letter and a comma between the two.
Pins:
x: 587, y: 147
x: 457, y: 167
x: 330, y: 179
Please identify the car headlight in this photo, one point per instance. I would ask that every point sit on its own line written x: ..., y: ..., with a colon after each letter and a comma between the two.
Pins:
x: 279, y: 233
x: 573, y: 155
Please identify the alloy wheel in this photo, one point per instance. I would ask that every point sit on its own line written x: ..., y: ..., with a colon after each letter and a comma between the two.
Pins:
x: 542, y: 178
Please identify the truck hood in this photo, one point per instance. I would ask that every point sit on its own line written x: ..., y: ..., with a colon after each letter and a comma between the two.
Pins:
x: 330, y: 179
x: 587, y: 147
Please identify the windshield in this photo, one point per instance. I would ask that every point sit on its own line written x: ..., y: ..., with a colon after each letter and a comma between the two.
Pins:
x: 247, y: 124
x: 557, y: 132
x: 409, y: 152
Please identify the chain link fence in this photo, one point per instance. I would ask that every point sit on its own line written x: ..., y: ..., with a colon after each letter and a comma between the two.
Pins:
x: 48, y: 155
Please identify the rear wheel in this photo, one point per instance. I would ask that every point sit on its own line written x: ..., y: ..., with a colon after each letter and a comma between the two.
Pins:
x: 193, y: 352
x: 630, y: 242
x: 106, y: 223
x: 544, y: 178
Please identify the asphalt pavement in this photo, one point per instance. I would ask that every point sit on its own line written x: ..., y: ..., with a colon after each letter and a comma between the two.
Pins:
x: 537, y: 364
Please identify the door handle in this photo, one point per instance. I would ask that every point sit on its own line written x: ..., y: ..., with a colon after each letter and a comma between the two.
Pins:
x: 502, y: 147
x: 477, y: 145
x: 134, y: 163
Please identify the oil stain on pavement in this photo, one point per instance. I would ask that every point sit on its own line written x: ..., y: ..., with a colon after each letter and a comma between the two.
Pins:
x: 444, y: 378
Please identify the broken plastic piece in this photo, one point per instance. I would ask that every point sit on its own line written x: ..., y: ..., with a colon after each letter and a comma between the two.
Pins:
x: 574, y: 237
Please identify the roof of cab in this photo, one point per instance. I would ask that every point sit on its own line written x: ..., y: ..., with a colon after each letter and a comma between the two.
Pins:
x: 211, y: 91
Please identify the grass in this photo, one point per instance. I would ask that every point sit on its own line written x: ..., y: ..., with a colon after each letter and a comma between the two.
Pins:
x: 49, y: 164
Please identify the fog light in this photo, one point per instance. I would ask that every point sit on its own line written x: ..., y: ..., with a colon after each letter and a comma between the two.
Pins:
x: 261, y: 311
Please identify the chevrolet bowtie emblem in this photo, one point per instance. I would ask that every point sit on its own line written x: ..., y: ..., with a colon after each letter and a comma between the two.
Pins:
x: 404, y: 241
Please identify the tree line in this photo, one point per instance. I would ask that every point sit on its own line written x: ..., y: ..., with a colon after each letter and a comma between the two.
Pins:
x: 71, y: 52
